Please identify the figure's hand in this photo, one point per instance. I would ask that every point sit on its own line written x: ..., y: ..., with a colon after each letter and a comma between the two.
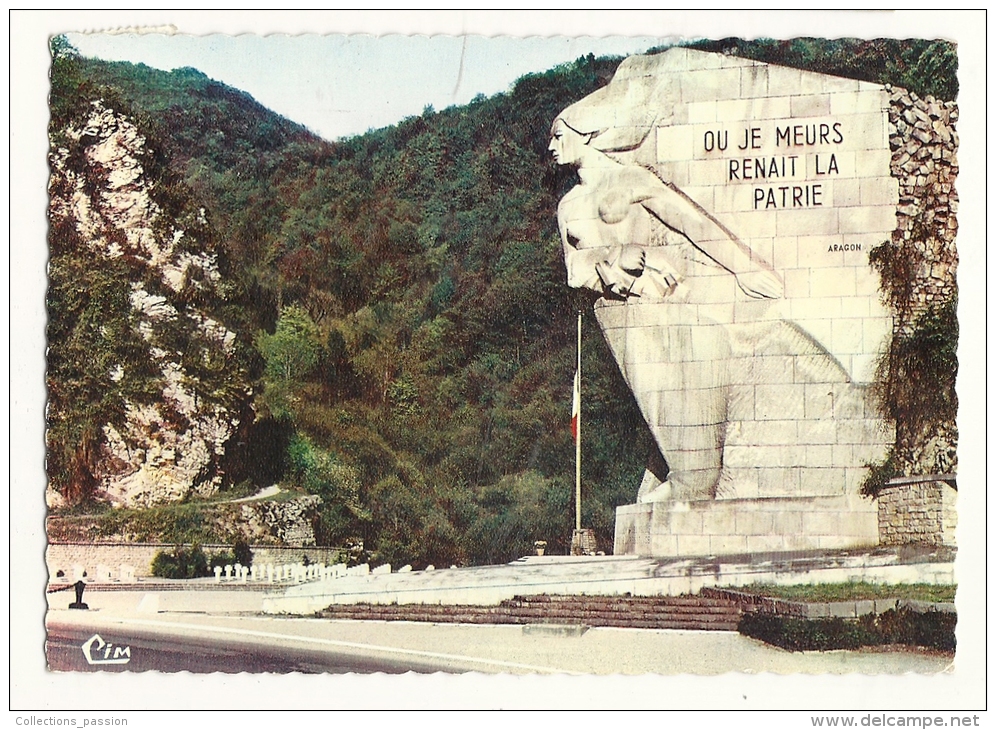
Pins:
x: 632, y: 259
x: 660, y: 266
x: 761, y: 284
x: 670, y: 280
x: 614, y: 279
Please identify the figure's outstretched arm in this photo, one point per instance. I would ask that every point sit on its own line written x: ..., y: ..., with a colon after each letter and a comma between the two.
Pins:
x: 754, y: 274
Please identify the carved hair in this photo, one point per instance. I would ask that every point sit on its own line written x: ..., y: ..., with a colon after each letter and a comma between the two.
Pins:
x: 619, y: 117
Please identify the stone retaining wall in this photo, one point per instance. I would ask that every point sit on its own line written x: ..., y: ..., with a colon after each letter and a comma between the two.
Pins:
x: 665, y: 612
x: 757, y: 603
x: 919, y: 513
x: 64, y: 555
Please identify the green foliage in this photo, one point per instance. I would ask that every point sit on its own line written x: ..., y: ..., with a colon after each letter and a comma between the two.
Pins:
x: 796, y: 634
x: 516, y: 512
x: 290, y: 354
x: 239, y: 554
x: 61, y: 48
x: 915, y: 380
x: 242, y: 552
x: 91, y: 332
x: 338, y: 484
x: 921, y: 66
x: 932, y: 629
x: 180, y: 563
x: 880, y: 473
x: 176, y: 523
x: 918, y: 375
x: 220, y: 560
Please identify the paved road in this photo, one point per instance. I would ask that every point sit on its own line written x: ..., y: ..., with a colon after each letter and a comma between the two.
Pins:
x: 156, y: 650
x: 221, y: 631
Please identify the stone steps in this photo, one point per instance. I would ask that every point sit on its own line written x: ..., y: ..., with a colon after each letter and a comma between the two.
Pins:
x: 652, y: 612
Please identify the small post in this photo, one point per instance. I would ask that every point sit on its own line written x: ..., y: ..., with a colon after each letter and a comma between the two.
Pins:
x: 79, y: 586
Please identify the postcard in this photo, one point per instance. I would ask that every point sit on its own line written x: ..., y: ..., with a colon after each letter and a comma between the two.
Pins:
x: 629, y: 357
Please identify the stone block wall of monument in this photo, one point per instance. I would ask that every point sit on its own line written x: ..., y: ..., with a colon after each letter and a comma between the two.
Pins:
x: 922, y: 513
x: 733, y: 130
x: 797, y: 164
x: 812, y: 174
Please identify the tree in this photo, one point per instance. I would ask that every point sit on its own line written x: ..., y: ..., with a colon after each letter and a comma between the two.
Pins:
x: 290, y: 354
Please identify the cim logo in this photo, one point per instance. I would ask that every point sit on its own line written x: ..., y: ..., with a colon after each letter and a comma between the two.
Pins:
x: 98, y: 651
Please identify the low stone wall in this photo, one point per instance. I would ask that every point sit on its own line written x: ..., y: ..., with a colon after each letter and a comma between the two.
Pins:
x: 138, y: 556
x: 758, y: 603
x: 918, y: 513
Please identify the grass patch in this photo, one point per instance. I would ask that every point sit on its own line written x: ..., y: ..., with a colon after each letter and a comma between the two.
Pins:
x: 194, y: 522
x: 831, y: 592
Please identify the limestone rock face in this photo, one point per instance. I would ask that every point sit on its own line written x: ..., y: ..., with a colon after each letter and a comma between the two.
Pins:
x: 169, y: 447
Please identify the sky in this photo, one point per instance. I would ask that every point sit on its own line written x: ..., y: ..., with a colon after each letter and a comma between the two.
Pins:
x: 342, y: 85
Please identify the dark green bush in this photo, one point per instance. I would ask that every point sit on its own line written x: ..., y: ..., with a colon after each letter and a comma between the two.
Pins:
x: 239, y: 554
x: 180, y: 563
x: 242, y: 552
x: 798, y: 634
x: 221, y: 560
x: 932, y: 629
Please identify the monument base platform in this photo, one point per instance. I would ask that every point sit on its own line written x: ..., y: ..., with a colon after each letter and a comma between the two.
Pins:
x: 614, y: 575
x: 745, y: 526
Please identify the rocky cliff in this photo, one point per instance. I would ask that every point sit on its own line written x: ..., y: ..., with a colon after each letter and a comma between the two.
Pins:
x: 170, y: 395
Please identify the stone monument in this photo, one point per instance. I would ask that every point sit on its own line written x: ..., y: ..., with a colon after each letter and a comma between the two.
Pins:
x: 725, y: 213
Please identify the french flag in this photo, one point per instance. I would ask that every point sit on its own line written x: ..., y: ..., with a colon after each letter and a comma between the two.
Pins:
x: 576, y: 407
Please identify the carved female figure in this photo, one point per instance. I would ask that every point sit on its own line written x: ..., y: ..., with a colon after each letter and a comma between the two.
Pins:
x: 672, y: 278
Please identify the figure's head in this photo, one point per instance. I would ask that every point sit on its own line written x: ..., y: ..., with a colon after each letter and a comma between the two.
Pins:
x: 617, y: 118
x: 566, y: 144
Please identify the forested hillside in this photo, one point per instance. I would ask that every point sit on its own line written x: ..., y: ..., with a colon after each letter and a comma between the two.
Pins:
x: 398, y: 301
x: 403, y: 335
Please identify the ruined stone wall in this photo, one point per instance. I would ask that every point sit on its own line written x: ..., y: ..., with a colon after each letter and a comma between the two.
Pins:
x: 291, y: 522
x: 925, y: 161
x: 924, y: 146
x: 920, y: 513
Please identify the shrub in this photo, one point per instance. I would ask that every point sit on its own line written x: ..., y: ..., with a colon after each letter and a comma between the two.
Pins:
x: 242, y: 552
x: 180, y: 563
x: 221, y: 560
x: 798, y: 634
x: 932, y: 629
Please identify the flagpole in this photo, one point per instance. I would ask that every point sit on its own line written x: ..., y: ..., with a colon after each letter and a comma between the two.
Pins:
x: 577, y: 442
